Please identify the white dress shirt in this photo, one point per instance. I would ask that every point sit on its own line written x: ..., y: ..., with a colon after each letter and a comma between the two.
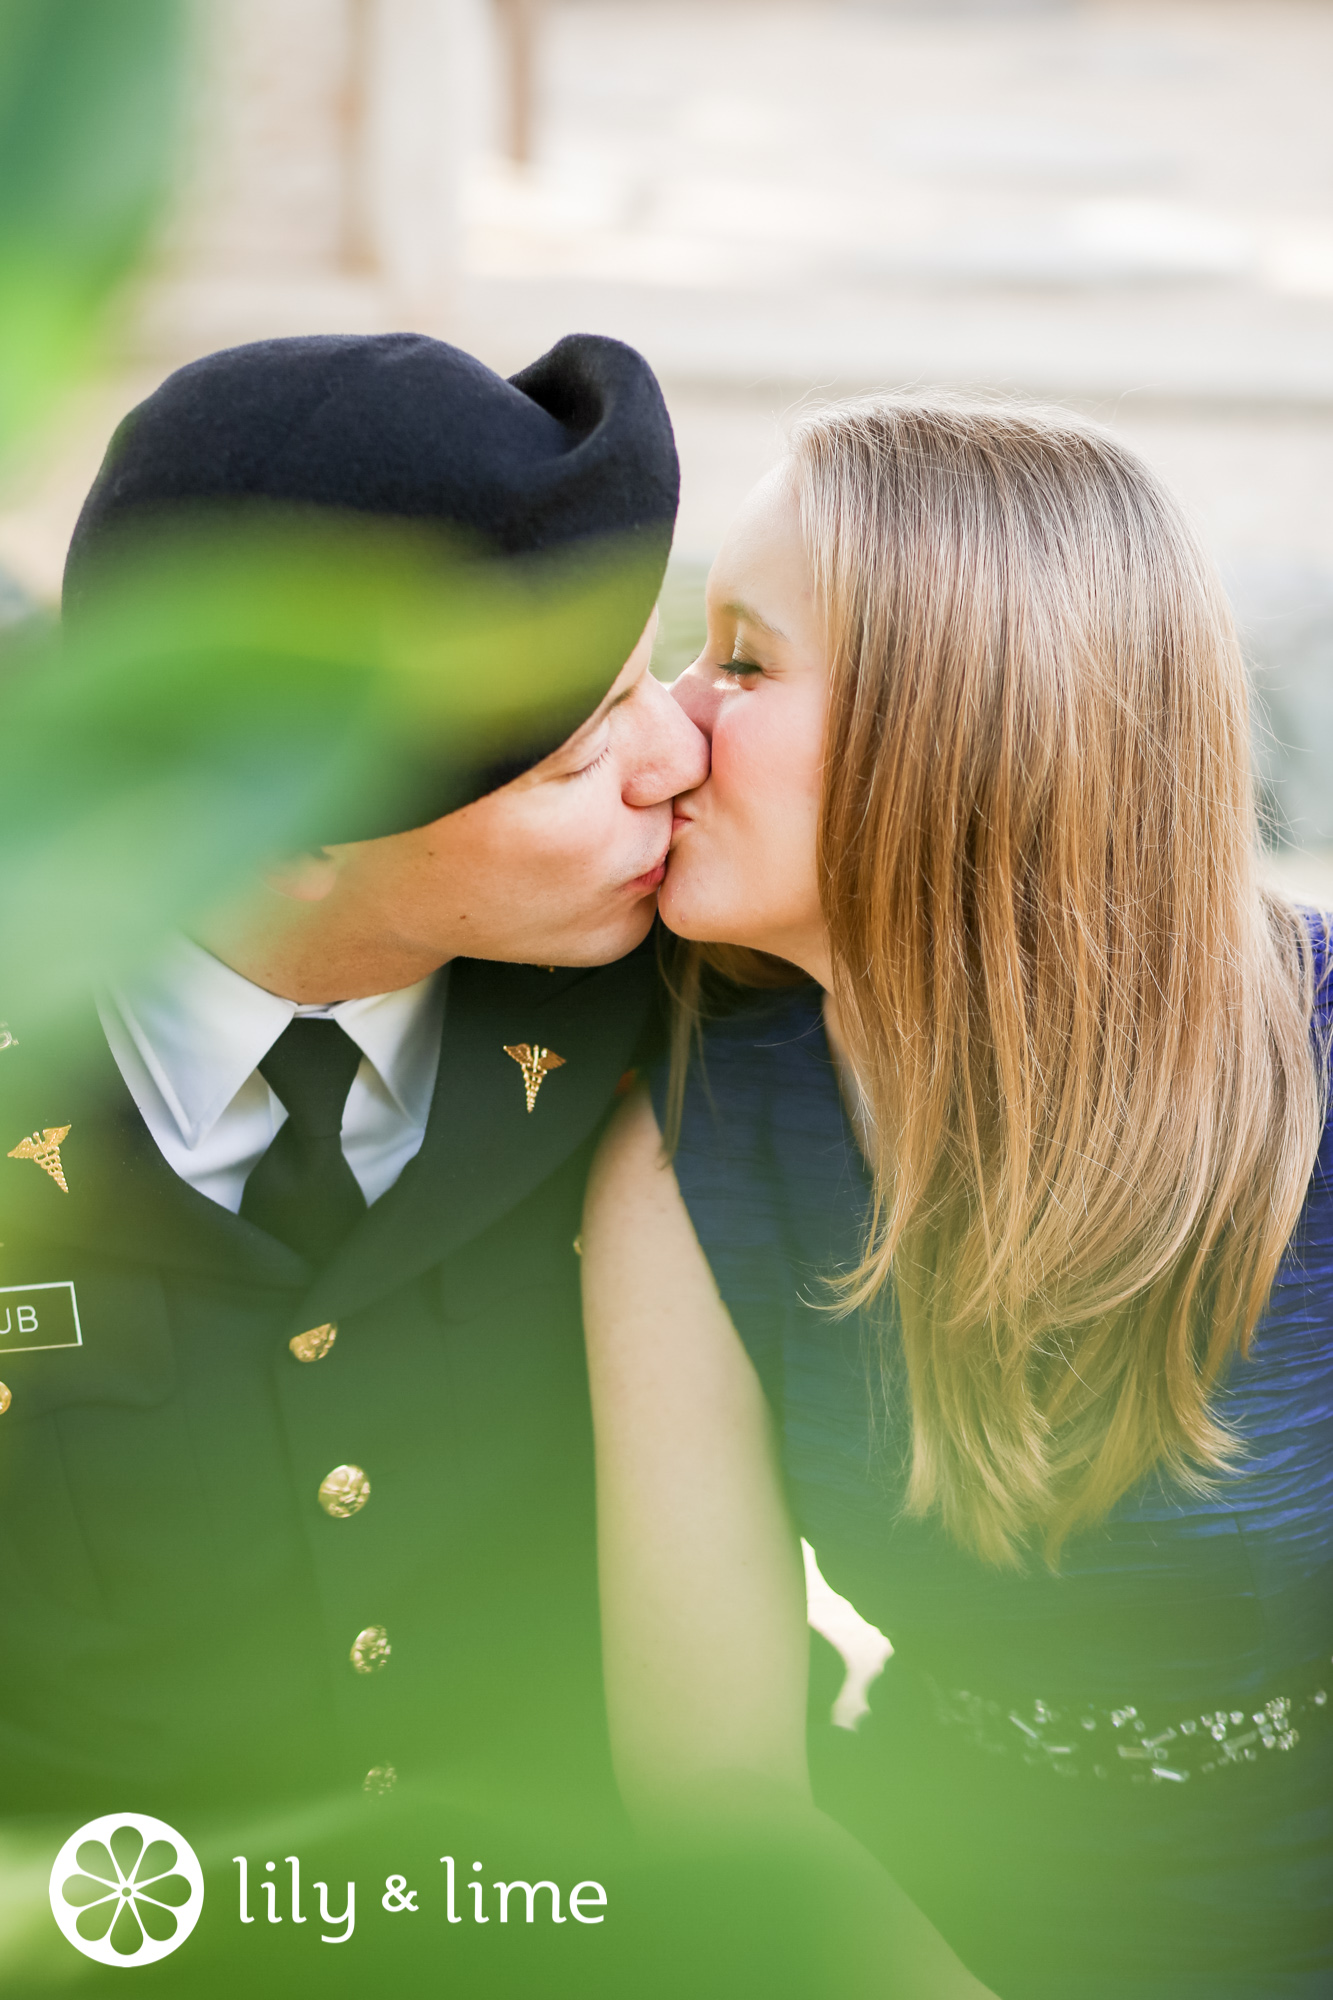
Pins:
x: 188, y: 1036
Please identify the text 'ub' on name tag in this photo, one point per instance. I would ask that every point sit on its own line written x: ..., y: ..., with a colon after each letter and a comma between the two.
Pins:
x: 33, y: 1316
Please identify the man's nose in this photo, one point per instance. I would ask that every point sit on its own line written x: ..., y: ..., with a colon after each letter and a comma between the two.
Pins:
x: 698, y: 697
x: 674, y: 753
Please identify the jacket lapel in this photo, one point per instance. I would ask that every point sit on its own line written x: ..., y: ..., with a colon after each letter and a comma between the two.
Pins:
x: 484, y: 1151
x: 122, y: 1198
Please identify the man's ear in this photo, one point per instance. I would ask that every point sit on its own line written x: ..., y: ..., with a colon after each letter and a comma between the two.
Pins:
x: 303, y: 878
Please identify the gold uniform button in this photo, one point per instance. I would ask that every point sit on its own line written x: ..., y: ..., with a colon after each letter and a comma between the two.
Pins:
x: 370, y: 1650
x: 5, y: 1398
x: 344, y: 1491
x: 315, y: 1342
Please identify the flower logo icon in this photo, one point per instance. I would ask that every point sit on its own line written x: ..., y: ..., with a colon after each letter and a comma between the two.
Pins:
x: 126, y: 1889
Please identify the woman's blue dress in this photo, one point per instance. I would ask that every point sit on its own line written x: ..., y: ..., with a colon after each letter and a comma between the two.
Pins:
x: 1114, y: 1783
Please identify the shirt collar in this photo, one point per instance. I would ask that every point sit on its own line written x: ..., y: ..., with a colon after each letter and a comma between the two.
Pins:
x: 399, y: 1034
x: 202, y: 1031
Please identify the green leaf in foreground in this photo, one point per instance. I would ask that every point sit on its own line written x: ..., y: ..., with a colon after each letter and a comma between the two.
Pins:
x: 241, y: 692
x: 89, y: 114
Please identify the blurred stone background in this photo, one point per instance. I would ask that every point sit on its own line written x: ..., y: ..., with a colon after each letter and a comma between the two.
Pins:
x: 1123, y: 204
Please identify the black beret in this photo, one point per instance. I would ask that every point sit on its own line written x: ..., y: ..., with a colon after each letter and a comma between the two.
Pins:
x: 574, y: 448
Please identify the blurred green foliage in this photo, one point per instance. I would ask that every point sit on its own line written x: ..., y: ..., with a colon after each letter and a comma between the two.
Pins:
x: 89, y: 98
x: 243, y: 689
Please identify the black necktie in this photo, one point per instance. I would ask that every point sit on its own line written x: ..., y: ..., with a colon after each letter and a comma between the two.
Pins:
x: 302, y: 1190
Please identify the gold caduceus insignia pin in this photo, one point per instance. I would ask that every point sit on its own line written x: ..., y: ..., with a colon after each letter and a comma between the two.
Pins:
x: 44, y: 1149
x: 536, y: 1064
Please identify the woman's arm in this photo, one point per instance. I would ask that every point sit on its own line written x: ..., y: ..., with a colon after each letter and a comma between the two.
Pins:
x: 703, y: 1595
x: 702, y: 1588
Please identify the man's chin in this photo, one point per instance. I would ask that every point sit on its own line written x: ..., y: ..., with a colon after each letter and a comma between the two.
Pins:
x: 594, y: 942
x: 620, y: 935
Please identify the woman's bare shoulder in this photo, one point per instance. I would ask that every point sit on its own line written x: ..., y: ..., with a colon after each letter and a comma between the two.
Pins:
x: 642, y: 1264
x: 630, y: 1172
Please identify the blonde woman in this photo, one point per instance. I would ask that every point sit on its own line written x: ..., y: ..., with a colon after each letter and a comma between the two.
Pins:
x: 992, y: 1251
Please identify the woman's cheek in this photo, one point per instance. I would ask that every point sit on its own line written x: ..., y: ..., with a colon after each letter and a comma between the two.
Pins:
x: 757, y: 765
x: 736, y: 755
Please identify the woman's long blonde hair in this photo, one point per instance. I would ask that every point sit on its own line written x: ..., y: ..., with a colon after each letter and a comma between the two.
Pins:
x: 1081, y: 1024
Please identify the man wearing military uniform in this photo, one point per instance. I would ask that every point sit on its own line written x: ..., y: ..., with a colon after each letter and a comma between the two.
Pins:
x: 295, y: 1466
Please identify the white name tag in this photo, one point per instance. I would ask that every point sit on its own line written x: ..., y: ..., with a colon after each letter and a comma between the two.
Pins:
x: 33, y: 1316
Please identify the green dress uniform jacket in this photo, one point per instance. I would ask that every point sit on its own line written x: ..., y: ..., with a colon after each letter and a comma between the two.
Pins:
x: 267, y: 1529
